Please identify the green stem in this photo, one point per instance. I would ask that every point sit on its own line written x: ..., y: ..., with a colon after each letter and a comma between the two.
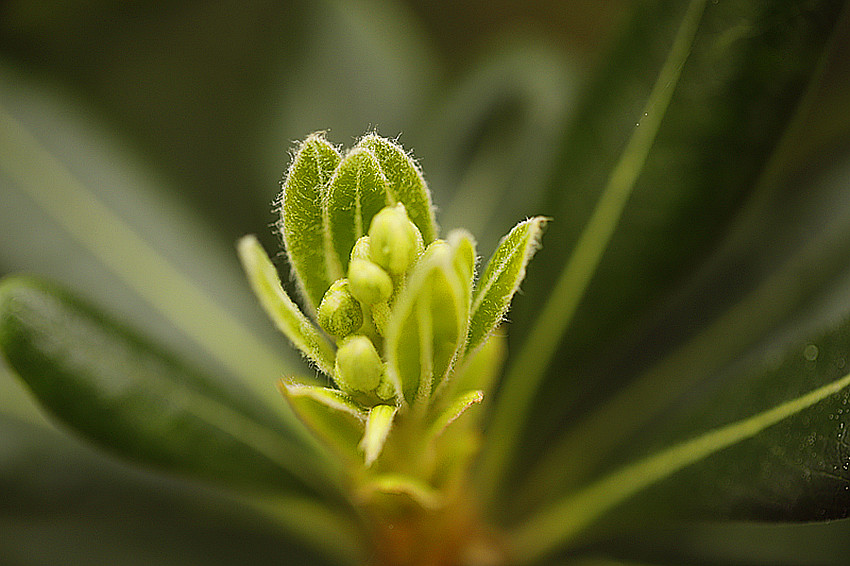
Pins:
x: 528, y: 368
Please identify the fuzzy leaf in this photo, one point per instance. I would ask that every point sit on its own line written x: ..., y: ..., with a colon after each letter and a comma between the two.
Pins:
x: 357, y: 191
x: 302, y: 223
x: 428, y: 324
x: 378, y: 427
x: 125, y: 395
x: 406, y: 184
x: 502, y: 277
x: 330, y: 413
x: 286, y: 315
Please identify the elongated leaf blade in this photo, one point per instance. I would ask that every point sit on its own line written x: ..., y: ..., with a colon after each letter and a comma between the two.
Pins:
x: 286, y: 315
x: 771, y: 446
x: 406, y: 184
x: 302, y: 224
x: 80, y: 207
x: 121, y: 393
x: 501, y: 279
x: 58, y: 491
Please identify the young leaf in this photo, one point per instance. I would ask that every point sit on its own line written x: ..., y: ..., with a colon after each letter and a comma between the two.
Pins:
x: 378, y: 427
x: 502, y: 278
x: 125, y: 395
x: 406, y: 184
x: 302, y: 223
x: 331, y: 414
x: 357, y: 191
x: 427, y: 325
x: 282, y: 310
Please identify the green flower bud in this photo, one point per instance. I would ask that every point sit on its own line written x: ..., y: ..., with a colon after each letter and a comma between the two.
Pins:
x: 362, y: 248
x: 358, y: 366
x: 395, y: 240
x: 339, y: 312
x: 368, y: 282
x: 385, y: 390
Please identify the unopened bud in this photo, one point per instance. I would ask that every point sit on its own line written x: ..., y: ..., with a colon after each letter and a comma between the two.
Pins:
x: 368, y: 282
x: 358, y: 366
x: 339, y: 312
x: 395, y: 240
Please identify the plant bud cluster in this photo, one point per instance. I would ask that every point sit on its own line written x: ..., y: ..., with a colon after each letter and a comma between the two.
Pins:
x: 355, y: 308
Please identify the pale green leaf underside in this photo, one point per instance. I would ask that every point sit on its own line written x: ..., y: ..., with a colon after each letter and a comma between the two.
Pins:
x: 378, y: 427
x: 564, y: 520
x: 283, y: 311
x: 357, y: 191
x: 406, y: 184
x: 502, y: 277
x: 302, y: 224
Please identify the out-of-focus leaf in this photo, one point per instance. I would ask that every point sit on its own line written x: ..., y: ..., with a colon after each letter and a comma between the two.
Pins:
x: 780, y: 275
x: 125, y: 395
x: 745, y: 75
x: 63, y: 503
x: 798, y: 470
x: 495, y: 136
x: 78, y: 208
x: 772, y: 447
x: 733, y: 542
